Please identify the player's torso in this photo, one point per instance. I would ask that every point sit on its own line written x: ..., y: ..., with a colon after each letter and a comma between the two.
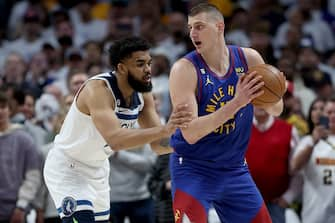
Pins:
x: 228, y: 142
x: 80, y: 139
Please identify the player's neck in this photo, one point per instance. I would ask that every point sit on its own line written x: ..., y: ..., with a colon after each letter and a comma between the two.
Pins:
x: 124, y: 87
x: 217, y: 58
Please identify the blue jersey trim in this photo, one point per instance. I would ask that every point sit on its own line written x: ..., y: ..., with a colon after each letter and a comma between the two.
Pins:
x: 102, y: 213
x: 126, y: 117
x: 229, y: 71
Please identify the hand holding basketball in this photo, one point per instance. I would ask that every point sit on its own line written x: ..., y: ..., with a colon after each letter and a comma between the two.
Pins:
x: 248, y: 88
x: 274, y: 85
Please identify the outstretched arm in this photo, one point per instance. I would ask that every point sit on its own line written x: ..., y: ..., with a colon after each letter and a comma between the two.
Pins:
x: 149, y: 118
x: 96, y: 100
x: 183, y: 86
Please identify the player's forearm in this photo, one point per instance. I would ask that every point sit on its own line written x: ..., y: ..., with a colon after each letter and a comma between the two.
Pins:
x: 276, y: 109
x: 300, y: 160
x: 130, y: 138
x: 203, y: 125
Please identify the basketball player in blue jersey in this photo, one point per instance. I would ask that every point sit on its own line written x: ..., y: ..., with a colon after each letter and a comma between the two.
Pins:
x: 100, y: 121
x: 208, y: 168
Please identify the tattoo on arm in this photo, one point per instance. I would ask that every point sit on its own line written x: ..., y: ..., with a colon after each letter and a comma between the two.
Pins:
x: 165, y: 142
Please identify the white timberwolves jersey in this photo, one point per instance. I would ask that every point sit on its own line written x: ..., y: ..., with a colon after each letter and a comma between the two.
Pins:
x: 76, y: 170
x: 319, y: 182
x: 80, y: 139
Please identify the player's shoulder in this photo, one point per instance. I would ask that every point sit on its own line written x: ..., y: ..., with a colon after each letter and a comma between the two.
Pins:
x: 252, y: 56
x: 93, y: 89
x: 248, y: 51
x: 183, y: 65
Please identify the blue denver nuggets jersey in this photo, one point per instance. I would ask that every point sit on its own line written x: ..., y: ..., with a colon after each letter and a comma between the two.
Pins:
x: 226, y: 145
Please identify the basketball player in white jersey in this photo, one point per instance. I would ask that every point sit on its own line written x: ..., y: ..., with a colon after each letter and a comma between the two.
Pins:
x: 315, y: 157
x: 99, y: 122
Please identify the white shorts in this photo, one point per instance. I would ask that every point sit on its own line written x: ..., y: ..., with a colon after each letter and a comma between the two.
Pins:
x: 75, y: 186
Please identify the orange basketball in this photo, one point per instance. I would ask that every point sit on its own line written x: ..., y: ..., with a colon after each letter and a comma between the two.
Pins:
x: 274, y: 84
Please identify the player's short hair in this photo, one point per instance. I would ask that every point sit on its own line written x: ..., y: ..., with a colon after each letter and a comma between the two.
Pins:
x: 123, y: 48
x: 206, y: 8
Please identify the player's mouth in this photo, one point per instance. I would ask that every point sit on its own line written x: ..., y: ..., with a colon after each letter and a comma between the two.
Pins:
x: 147, y: 78
x: 197, y: 43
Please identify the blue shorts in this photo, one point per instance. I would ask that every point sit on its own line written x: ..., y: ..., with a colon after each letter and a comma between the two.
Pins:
x: 231, y: 191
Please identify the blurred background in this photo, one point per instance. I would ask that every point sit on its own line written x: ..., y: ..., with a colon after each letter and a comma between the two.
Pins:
x: 48, y: 48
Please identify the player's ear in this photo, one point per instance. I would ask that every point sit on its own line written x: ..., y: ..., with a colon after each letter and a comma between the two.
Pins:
x: 220, y: 26
x: 122, y: 68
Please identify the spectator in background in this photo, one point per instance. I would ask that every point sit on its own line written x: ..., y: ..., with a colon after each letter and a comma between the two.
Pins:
x: 269, y: 152
x: 129, y: 193
x: 74, y: 63
x: 174, y: 45
x: 308, y: 64
x: 160, y: 181
x: 160, y: 81
x: 315, y: 158
x: 88, y: 27
x: 237, y: 30
x: 47, y: 108
x: 75, y: 81
x: 20, y: 168
x: 14, y: 69
x: 297, y: 86
x: 319, y: 31
x: 93, y: 53
x: 31, y: 40
x: 37, y: 76
x: 160, y: 187
x: 31, y: 124
x: 260, y: 40
x: 65, y: 36
x: 46, y: 210
x: 293, y: 113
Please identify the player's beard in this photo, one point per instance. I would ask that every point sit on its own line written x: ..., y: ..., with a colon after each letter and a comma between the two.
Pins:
x: 138, y: 85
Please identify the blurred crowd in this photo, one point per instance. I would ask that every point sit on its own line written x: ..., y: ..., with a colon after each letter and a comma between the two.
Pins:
x: 49, y: 48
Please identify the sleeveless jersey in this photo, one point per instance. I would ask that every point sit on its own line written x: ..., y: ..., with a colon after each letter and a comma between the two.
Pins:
x: 226, y: 145
x: 80, y: 139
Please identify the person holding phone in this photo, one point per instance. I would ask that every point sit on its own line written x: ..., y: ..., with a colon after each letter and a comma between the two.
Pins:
x: 315, y: 158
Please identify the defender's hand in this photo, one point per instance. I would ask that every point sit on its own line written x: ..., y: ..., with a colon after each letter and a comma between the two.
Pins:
x: 180, y: 117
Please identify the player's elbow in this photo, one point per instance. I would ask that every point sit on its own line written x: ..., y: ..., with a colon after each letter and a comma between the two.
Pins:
x: 116, y: 146
x: 190, y: 138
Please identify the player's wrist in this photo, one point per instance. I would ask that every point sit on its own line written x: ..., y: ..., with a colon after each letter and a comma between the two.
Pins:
x: 236, y: 104
x: 165, y: 131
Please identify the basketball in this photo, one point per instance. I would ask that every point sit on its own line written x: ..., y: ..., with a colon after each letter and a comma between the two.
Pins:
x: 274, y: 84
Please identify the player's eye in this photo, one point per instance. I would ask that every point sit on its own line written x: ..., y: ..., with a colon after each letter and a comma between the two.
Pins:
x: 140, y: 64
x: 199, y: 27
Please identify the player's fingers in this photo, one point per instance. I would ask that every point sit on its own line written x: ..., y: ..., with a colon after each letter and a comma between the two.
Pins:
x: 256, y: 86
x: 181, y: 114
x: 254, y: 81
x: 181, y: 120
x: 246, y: 78
x: 256, y: 94
x: 180, y: 107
